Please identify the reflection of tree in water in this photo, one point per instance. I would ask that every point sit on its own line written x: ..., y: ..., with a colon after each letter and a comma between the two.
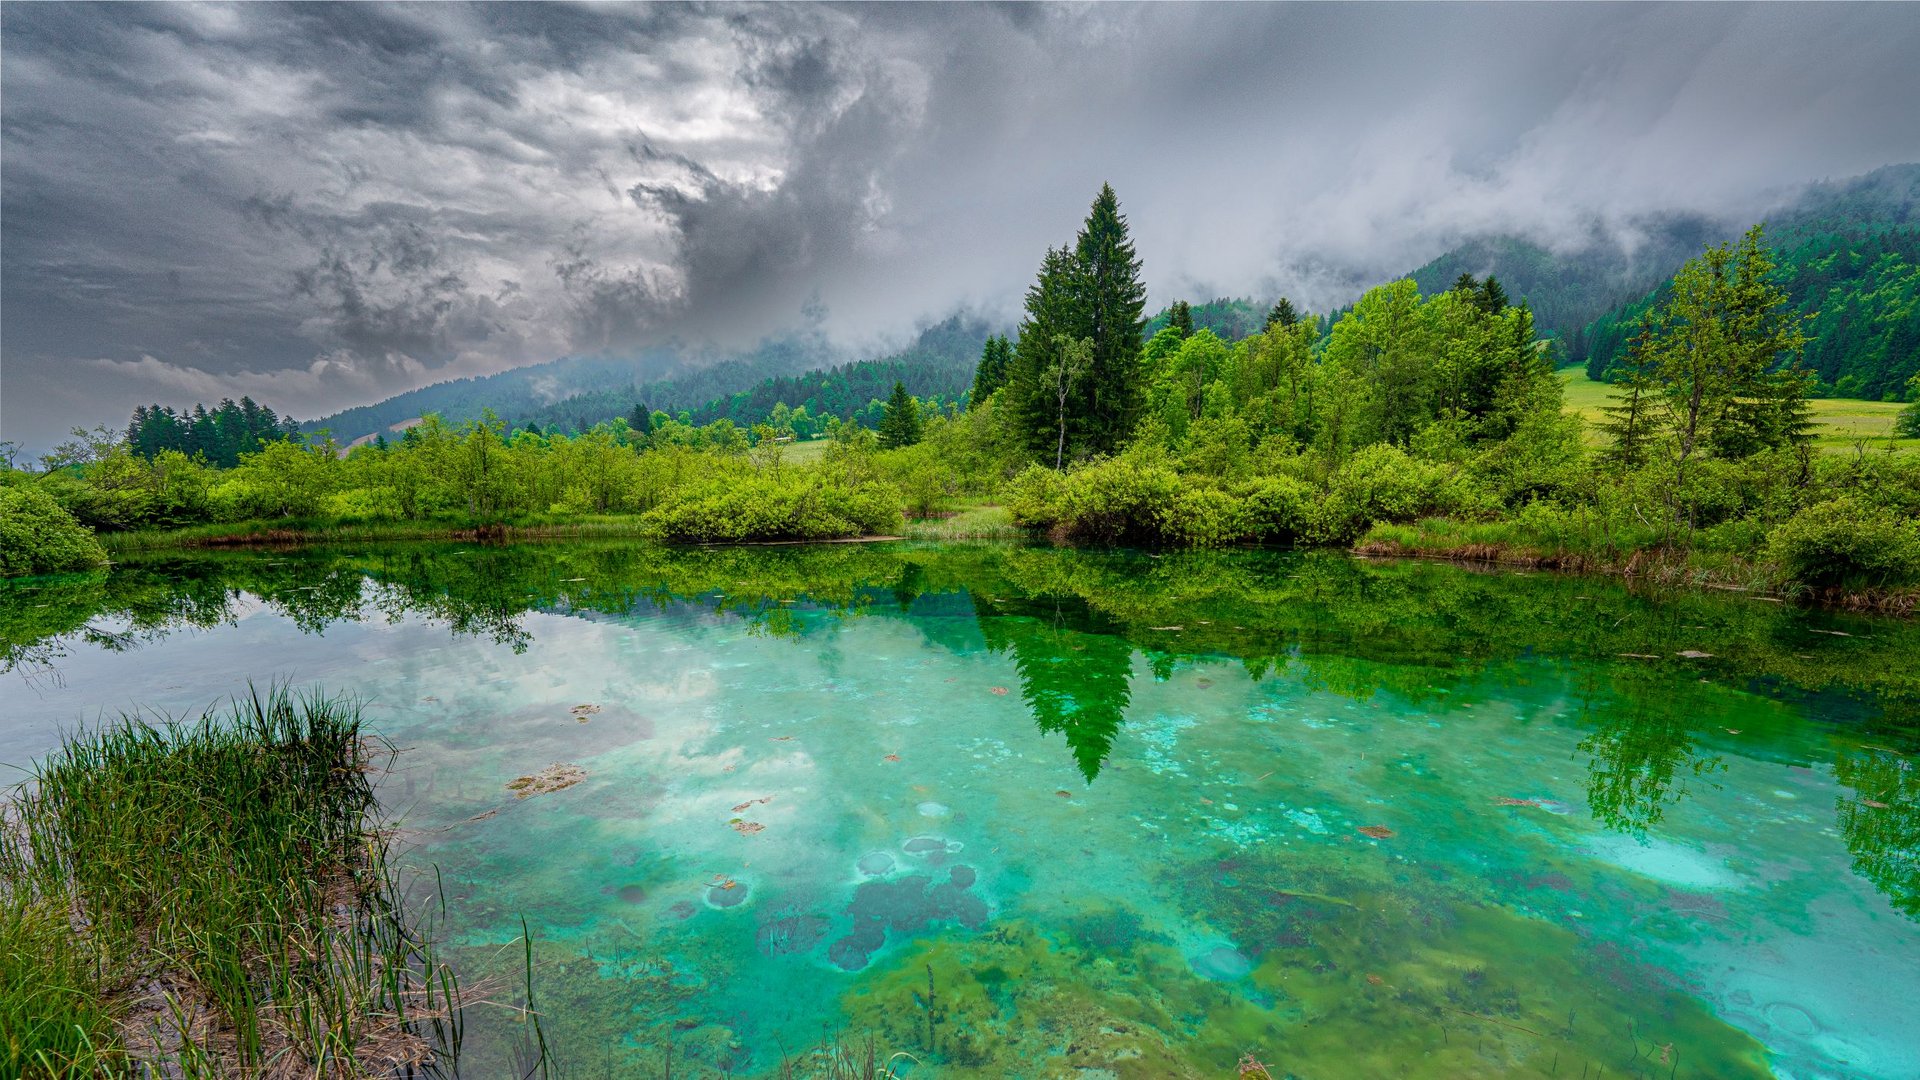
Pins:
x: 1073, y: 674
x: 1641, y: 743
x: 1881, y: 823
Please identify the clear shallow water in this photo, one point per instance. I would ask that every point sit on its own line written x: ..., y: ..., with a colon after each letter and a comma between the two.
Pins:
x: 1022, y: 812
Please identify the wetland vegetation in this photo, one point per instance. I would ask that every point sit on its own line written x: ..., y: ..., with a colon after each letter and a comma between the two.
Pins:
x: 212, y: 897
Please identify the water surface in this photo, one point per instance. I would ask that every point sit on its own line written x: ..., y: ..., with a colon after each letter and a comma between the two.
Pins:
x: 1027, y: 812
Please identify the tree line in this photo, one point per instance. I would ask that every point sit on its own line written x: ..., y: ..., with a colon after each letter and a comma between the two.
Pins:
x: 1404, y: 422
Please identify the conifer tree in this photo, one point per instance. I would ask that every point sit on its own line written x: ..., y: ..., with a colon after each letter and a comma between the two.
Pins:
x: 1629, y: 423
x: 1492, y: 297
x: 1282, y: 315
x: 900, y: 426
x: 1110, y: 308
x: 1051, y: 315
x: 996, y: 361
x: 641, y: 419
x: 1466, y: 283
x: 1180, y: 318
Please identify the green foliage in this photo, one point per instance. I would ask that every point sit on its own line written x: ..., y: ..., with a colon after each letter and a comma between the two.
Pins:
x: 1140, y: 499
x: 1908, y: 424
x: 901, y: 424
x: 776, y: 505
x: 1843, y: 542
x: 1180, y: 318
x: 38, y: 536
x: 1281, y: 315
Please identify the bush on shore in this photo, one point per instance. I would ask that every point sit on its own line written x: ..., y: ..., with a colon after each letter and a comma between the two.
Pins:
x: 781, y: 504
x: 38, y: 536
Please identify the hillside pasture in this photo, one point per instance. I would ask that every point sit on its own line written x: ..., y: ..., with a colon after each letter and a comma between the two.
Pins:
x: 1841, y: 424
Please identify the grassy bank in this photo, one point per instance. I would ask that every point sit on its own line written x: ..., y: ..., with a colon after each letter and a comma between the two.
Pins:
x: 211, y: 898
x: 265, y: 533
x: 1638, y: 559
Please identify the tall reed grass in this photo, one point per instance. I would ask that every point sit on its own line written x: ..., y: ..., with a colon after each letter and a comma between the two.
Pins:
x: 212, y: 898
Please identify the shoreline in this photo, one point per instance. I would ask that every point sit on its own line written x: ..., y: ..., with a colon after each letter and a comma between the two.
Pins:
x: 1666, y: 568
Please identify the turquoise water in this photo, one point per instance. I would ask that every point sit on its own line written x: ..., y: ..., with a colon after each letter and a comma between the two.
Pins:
x: 1026, y: 812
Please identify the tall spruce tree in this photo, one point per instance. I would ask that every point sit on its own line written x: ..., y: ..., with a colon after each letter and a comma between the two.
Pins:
x: 1088, y: 293
x: 1110, y: 305
x: 900, y: 425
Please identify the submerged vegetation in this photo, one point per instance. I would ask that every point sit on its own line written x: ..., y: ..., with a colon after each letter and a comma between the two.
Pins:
x: 211, y: 898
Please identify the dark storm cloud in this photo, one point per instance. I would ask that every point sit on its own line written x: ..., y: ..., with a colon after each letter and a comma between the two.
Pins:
x: 326, y: 204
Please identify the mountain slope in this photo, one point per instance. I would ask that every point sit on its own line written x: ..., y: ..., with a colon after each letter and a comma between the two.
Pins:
x: 1849, y: 259
x: 1570, y: 290
x: 939, y: 364
x: 577, y: 392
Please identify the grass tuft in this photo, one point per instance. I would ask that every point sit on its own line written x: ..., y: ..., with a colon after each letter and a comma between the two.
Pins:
x: 210, y: 897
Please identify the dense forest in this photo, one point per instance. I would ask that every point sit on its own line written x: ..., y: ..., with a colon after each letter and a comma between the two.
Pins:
x: 1859, y: 296
x: 1411, y: 422
x: 218, y: 435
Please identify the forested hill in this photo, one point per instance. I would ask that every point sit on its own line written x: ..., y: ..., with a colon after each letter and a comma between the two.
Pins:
x: 1568, y: 291
x: 578, y: 392
x: 1849, y: 260
x: 939, y: 364
x: 522, y: 391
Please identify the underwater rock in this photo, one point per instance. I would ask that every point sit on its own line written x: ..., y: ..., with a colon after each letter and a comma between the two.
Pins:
x: 875, y: 864
x: 682, y: 909
x: 727, y: 894
x: 631, y: 894
x: 1223, y: 964
x: 934, y: 810
x: 923, y: 845
x: 552, y: 778
x: 961, y: 876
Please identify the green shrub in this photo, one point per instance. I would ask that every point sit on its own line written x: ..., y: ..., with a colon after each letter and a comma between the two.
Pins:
x: 1278, y: 508
x: 38, y: 536
x: 1381, y: 483
x: 778, y: 504
x: 1123, y: 500
x: 1204, y: 517
x: 1844, y: 542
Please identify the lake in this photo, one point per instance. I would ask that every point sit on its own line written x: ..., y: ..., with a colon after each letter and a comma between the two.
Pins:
x: 1021, y: 811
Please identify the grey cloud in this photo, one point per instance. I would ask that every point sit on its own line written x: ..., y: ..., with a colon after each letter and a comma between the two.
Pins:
x: 330, y: 203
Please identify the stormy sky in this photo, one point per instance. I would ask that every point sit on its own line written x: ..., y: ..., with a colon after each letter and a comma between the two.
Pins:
x: 321, y: 206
